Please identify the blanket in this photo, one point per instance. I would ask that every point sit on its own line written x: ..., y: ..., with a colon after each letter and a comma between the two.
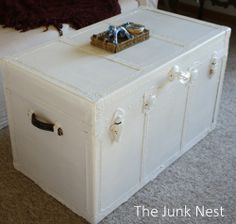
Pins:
x: 24, y: 15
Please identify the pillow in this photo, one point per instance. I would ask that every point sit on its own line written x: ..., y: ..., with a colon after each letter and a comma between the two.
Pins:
x: 24, y: 15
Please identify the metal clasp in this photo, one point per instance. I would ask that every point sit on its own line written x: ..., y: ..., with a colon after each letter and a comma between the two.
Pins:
x: 117, y: 125
x: 213, y: 65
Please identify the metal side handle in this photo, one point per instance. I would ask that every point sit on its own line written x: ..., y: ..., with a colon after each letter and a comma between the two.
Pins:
x: 36, y: 122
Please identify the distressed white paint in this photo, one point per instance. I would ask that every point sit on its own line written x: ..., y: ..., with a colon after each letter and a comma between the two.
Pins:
x: 93, y: 168
x: 13, y: 42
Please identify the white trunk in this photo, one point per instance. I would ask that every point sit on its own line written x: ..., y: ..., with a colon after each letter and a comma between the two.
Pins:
x: 125, y: 116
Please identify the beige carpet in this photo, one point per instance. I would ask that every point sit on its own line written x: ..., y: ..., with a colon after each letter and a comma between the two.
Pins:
x: 206, y: 175
x: 22, y: 201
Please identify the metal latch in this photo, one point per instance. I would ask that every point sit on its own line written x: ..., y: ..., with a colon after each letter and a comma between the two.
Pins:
x: 149, y: 102
x: 149, y: 99
x: 117, y: 125
x: 213, y: 65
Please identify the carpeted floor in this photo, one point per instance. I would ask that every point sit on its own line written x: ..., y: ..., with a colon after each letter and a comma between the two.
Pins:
x: 205, y: 176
